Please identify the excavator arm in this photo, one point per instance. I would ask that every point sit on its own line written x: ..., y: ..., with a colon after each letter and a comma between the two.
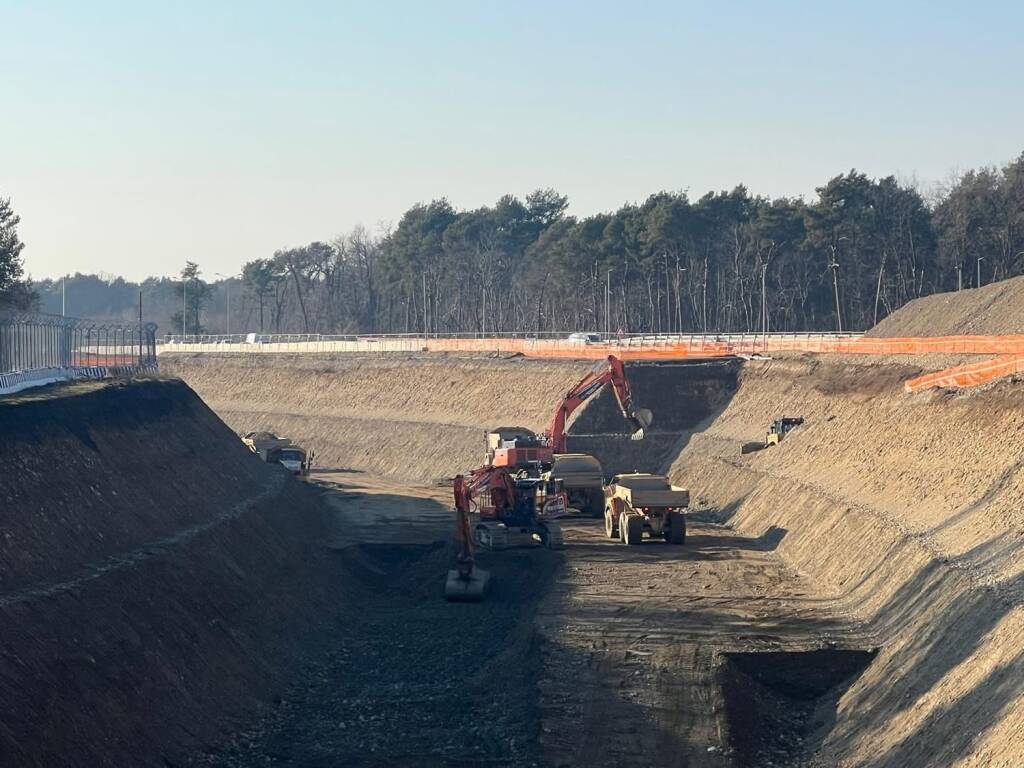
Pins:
x: 607, y: 371
x: 466, y: 581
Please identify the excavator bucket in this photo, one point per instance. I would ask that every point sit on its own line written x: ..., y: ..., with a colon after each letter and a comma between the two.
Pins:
x: 466, y: 588
x: 641, y: 419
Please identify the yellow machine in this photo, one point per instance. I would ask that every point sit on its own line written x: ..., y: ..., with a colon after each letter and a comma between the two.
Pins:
x: 778, y: 430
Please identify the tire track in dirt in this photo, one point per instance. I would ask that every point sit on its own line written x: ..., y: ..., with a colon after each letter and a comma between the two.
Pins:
x: 632, y: 637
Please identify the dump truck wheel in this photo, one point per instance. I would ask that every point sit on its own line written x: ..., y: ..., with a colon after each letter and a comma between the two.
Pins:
x: 611, y: 530
x: 634, y: 525
x: 622, y: 526
x: 676, y: 525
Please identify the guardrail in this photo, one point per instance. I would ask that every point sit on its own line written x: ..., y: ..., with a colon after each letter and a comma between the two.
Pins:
x: 38, y: 348
x: 633, y: 346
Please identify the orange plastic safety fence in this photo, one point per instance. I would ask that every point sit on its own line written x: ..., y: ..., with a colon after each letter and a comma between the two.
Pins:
x: 711, y: 347
x: 970, y: 375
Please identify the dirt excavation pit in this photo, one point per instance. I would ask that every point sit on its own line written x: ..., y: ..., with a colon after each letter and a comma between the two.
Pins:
x: 779, y: 705
x: 866, y: 528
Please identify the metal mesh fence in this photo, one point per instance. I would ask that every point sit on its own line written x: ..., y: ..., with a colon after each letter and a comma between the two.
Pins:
x: 31, y: 341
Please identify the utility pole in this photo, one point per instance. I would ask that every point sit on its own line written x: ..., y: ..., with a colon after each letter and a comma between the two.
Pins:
x: 184, y: 306
x: 63, y: 295
x: 959, y: 277
x: 980, y: 259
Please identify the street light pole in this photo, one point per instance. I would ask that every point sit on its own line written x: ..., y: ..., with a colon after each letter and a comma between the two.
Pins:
x: 607, y: 303
x: 980, y: 259
x: 834, y: 266
x: 227, y: 316
x: 679, y: 306
x: 764, y: 308
x: 424, y: 307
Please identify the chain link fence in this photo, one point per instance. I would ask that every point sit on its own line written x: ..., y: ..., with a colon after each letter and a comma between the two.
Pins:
x: 33, y: 342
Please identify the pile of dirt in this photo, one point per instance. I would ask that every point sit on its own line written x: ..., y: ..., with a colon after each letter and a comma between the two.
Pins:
x: 993, y: 309
x: 907, y: 511
x: 157, y: 581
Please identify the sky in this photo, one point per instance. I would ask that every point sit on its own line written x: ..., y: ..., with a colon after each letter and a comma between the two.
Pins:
x: 136, y: 136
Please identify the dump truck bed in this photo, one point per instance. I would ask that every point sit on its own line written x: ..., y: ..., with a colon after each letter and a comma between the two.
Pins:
x: 674, y: 497
x: 648, y: 491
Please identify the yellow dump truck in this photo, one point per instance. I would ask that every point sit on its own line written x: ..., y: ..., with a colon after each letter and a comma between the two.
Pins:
x: 279, y: 450
x: 640, y: 503
x: 582, y: 477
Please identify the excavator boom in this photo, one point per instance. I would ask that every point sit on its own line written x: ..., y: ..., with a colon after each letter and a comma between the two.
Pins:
x: 607, y: 371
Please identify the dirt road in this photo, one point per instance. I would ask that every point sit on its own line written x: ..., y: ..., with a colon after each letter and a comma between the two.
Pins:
x: 596, y: 655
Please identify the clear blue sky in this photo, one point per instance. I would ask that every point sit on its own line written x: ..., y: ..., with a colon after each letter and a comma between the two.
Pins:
x: 136, y: 135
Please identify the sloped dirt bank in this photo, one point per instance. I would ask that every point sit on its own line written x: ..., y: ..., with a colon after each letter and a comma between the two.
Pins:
x: 158, y: 582
x: 422, y: 418
x: 906, y: 509
x: 993, y: 309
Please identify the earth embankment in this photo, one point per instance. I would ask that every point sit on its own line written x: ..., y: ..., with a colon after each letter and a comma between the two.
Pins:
x: 906, y: 509
x: 993, y: 309
x: 423, y: 418
x: 157, y: 581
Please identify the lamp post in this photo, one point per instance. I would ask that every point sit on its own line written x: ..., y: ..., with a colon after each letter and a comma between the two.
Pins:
x: 679, y: 306
x: 764, y: 308
x: 607, y: 303
x: 227, y: 315
x: 834, y: 266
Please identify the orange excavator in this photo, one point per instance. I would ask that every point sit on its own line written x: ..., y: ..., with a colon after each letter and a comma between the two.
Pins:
x: 517, y: 447
x: 607, y: 371
x: 512, y: 510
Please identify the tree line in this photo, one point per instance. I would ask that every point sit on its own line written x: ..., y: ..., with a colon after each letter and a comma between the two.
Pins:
x: 726, y: 261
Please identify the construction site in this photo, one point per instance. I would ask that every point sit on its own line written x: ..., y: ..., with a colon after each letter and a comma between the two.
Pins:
x: 755, y: 554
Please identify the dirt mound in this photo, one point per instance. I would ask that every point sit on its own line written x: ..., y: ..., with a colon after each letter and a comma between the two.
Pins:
x: 994, y: 309
x: 906, y: 511
x: 157, y: 579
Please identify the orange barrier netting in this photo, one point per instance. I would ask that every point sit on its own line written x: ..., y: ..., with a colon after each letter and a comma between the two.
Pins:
x: 711, y: 347
x: 1009, y: 348
x: 970, y: 375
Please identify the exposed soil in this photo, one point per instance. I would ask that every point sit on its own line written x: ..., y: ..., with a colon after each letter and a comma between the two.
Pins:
x: 993, y: 309
x: 599, y: 654
x: 907, y: 509
x: 150, y: 566
x: 260, y: 625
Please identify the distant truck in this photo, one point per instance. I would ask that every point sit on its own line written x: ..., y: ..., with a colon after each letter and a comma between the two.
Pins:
x: 640, y: 503
x: 279, y: 450
x: 582, y: 477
